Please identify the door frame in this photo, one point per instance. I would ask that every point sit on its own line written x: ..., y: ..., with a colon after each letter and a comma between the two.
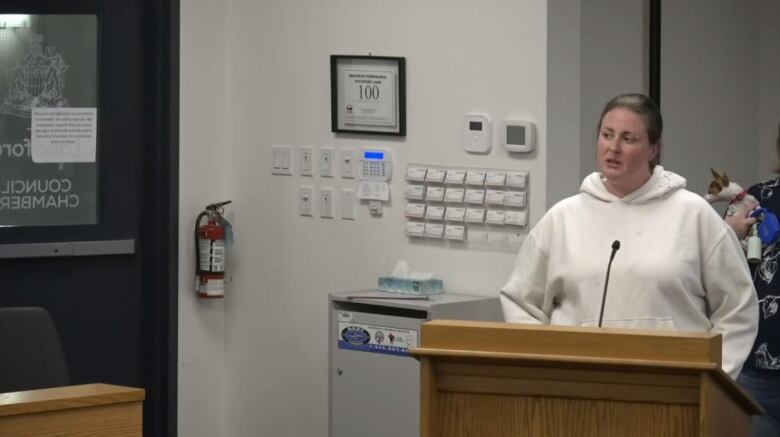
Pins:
x: 160, y: 218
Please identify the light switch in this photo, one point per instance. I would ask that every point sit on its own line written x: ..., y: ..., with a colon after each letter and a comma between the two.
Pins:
x: 305, y: 200
x: 326, y: 162
x: 348, y: 163
x: 306, y: 157
x: 348, y: 203
x: 326, y: 202
x: 281, y: 160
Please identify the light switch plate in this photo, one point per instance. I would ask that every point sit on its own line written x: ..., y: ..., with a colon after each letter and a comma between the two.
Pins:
x: 306, y: 161
x: 281, y: 160
x: 326, y: 161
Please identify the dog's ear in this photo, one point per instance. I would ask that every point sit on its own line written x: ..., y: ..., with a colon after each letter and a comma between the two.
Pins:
x: 722, y: 178
x: 714, y: 173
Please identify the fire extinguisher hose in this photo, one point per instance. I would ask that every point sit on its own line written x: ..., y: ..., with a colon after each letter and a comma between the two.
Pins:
x: 197, y: 247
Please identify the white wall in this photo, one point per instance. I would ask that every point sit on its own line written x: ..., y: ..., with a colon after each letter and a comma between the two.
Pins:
x: 203, y: 179
x: 768, y: 87
x: 613, y: 61
x: 709, y: 89
x: 256, y: 73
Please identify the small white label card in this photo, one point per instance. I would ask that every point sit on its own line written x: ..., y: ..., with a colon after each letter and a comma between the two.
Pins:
x: 494, y: 197
x: 455, y: 232
x: 415, y: 210
x: 415, y: 229
x: 517, y: 218
x: 454, y: 195
x: 435, y: 194
x: 515, y: 198
x: 434, y: 213
x: 475, y: 196
x: 517, y: 179
x: 475, y: 177
x: 455, y: 214
x: 414, y: 173
x: 475, y: 215
x: 495, y: 216
x: 455, y: 176
x: 415, y: 192
x: 495, y: 178
x: 435, y: 175
x: 434, y: 230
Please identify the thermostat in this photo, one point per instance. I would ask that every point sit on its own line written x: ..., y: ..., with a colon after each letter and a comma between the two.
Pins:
x: 520, y: 136
x: 477, y: 133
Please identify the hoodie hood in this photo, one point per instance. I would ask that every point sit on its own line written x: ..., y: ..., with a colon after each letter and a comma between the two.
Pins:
x: 660, y: 184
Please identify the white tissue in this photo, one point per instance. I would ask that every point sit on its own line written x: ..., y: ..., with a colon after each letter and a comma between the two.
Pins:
x: 402, y: 270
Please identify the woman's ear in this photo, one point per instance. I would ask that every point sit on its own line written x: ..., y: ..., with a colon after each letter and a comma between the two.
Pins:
x: 655, y: 150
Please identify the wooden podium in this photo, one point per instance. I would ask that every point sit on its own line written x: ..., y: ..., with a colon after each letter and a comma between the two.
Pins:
x: 77, y: 410
x: 503, y: 379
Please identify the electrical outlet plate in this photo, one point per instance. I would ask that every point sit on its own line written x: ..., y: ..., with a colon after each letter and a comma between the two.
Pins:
x: 348, y: 163
x: 326, y: 202
x: 305, y: 200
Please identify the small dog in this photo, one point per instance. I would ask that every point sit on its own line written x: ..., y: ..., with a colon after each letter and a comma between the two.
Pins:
x: 723, y: 190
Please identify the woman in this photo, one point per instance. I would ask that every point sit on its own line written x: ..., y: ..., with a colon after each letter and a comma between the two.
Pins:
x: 679, y: 265
x: 761, y: 374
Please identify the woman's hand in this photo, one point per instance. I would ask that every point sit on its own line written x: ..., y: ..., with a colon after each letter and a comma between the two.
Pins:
x: 741, y: 223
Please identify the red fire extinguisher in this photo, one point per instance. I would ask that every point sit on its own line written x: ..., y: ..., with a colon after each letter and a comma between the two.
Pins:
x: 210, y: 244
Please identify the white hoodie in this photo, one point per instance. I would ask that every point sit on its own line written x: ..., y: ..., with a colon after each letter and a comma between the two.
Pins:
x: 679, y: 266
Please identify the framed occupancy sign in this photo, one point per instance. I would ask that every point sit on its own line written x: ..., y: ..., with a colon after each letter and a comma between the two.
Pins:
x: 368, y: 94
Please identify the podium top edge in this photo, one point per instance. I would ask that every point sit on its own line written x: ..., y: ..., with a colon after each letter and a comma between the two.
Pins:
x: 67, y: 397
x: 572, y: 329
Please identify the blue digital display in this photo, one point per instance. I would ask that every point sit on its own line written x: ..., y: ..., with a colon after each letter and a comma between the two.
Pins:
x: 374, y: 155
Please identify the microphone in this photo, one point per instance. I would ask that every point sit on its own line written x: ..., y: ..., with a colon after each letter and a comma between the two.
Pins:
x: 615, y: 247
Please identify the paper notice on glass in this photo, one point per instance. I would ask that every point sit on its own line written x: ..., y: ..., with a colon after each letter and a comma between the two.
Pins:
x: 369, y: 97
x: 63, y: 134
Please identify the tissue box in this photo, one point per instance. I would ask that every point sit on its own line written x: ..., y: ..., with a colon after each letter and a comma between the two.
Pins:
x: 394, y: 284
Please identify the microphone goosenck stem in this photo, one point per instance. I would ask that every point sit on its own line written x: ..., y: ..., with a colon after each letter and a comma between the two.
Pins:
x: 615, y: 247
